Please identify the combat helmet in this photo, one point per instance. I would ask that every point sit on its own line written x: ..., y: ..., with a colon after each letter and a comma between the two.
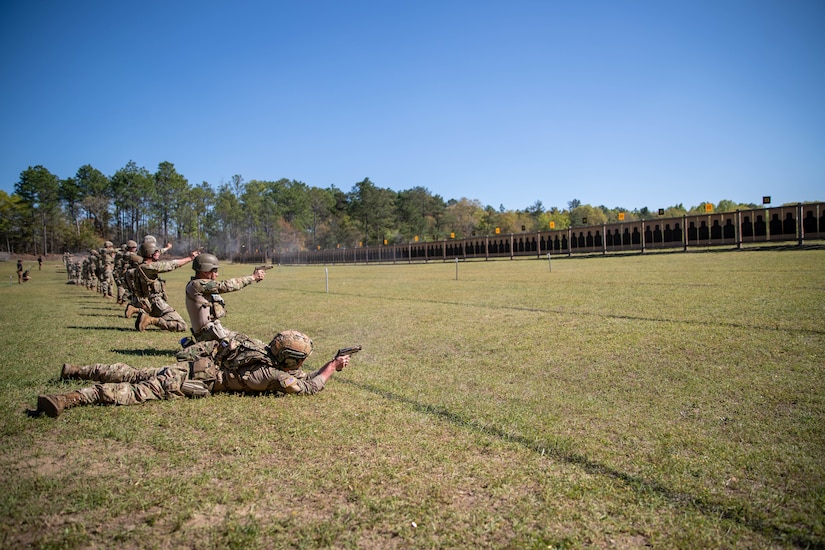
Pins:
x: 205, y: 262
x: 147, y: 249
x: 289, y: 348
x: 131, y: 244
x: 108, y: 244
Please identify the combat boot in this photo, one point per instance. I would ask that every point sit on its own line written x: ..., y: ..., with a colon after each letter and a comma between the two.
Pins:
x: 69, y: 371
x: 145, y: 320
x: 53, y: 405
x: 130, y: 310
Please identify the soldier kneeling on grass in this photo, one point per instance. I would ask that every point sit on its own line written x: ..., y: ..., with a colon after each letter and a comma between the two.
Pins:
x: 240, y: 364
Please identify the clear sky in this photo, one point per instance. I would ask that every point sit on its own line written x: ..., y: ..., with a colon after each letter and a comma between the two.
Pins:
x: 622, y: 103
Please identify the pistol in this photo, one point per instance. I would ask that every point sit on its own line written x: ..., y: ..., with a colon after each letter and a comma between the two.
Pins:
x: 346, y: 351
x: 352, y: 350
x: 263, y: 267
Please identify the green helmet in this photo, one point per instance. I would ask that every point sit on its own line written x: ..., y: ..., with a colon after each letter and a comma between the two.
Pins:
x: 147, y: 249
x: 289, y: 348
x: 205, y: 262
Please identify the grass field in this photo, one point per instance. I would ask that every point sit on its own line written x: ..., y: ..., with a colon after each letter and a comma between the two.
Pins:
x: 665, y: 400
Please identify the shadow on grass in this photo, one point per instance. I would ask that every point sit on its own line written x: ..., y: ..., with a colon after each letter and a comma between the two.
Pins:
x: 732, y: 511
x: 118, y: 329
x: 96, y: 315
x: 147, y: 352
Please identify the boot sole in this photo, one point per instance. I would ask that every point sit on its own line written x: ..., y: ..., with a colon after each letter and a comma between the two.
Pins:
x: 46, y: 405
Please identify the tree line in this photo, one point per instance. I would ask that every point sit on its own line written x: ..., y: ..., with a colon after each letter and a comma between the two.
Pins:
x: 48, y: 215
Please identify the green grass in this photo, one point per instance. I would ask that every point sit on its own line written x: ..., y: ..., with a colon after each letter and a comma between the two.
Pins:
x: 668, y: 400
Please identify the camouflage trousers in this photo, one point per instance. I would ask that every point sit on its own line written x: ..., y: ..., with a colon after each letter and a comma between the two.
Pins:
x: 121, y: 384
x: 122, y: 295
x: 107, y: 282
x: 169, y: 318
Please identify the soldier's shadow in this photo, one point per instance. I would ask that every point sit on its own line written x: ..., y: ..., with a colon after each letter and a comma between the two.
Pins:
x: 118, y: 329
x: 147, y: 352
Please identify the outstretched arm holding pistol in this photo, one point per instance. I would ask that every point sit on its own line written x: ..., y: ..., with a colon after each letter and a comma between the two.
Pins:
x: 260, y: 272
x: 338, y: 362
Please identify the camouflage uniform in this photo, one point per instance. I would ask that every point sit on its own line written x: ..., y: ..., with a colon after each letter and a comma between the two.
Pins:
x: 206, y: 306
x: 240, y: 364
x: 97, y: 267
x: 84, y: 270
x: 117, y: 274
x: 89, y: 270
x: 67, y: 260
x: 150, y: 290
x: 107, y: 264
x: 75, y: 270
x: 100, y: 269
x: 130, y: 261
x: 122, y: 265
x: 125, y: 385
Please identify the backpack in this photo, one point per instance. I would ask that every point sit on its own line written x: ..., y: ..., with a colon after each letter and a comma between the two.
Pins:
x: 241, y: 351
x: 232, y: 353
x: 196, y: 351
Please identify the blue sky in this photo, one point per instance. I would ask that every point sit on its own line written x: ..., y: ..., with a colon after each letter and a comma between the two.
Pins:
x: 618, y: 103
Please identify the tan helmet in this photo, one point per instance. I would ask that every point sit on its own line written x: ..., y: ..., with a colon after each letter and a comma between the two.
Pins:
x: 150, y: 239
x: 289, y: 348
x: 147, y: 249
x: 205, y: 262
x: 131, y: 245
x: 108, y: 244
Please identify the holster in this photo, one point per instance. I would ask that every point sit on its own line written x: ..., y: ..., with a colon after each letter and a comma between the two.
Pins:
x: 204, y: 370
